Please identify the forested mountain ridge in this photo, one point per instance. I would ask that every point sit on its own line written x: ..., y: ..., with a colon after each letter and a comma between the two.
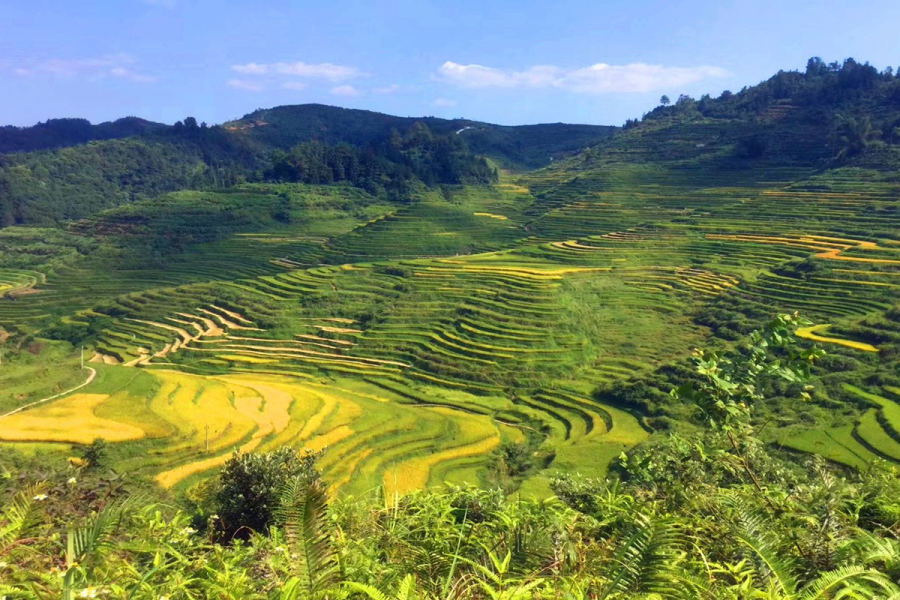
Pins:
x: 53, y: 186
x: 516, y: 146
x: 59, y: 133
x: 828, y: 115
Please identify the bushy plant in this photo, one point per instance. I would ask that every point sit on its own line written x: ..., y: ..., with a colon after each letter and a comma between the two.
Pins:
x: 244, y: 497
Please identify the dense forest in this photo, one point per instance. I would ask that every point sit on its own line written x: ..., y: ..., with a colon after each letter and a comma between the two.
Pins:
x: 828, y: 114
x: 50, y: 187
x: 59, y: 133
x: 419, y: 154
x: 67, y: 169
x: 72, y: 183
x: 821, y: 89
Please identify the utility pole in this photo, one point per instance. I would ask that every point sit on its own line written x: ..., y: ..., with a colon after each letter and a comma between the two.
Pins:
x: 207, y: 438
x: 82, y: 357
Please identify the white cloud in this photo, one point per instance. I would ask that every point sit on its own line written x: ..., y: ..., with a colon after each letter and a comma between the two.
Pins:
x: 119, y: 66
x: 251, y: 69
x: 327, y: 71
x: 388, y: 89
x: 125, y: 73
x: 595, y: 79
x: 344, y: 90
x: 294, y: 85
x: 444, y: 102
x: 243, y: 84
x: 397, y: 88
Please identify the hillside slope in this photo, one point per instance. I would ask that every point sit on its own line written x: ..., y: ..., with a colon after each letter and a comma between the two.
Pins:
x: 549, y: 314
x: 518, y: 147
x: 830, y: 115
x: 89, y: 172
x: 59, y: 133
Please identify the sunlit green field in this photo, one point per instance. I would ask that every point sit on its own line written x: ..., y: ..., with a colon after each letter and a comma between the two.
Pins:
x: 412, y: 341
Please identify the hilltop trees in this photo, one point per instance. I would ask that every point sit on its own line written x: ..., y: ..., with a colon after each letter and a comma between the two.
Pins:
x: 52, y: 186
x: 833, y: 87
x: 392, y: 164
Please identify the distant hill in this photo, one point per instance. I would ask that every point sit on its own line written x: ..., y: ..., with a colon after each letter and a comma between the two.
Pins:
x: 517, y: 147
x: 59, y: 133
x: 828, y: 115
x: 68, y: 169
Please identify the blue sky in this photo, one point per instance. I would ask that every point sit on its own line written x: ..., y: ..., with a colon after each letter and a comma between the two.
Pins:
x: 586, y: 61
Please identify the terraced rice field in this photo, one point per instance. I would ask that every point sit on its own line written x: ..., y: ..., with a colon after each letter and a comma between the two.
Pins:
x: 17, y: 281
x: 817, y: 334
x: 413, y: 343
x: 191, y: 424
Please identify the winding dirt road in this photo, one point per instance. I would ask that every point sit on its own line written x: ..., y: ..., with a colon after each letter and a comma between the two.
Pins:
x: 93, y: 373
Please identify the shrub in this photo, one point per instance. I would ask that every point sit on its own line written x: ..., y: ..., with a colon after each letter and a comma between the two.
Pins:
x: 94, y: 454
x: 244, y: 497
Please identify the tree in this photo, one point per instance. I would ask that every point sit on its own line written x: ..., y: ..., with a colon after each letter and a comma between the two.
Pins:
x: 815, y: 67
x: 730, y: 385
x: 247, y: 492
x: 855, y: 136
x: 665, y: 100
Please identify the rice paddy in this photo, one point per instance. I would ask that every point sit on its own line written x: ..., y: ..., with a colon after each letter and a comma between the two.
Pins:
x: 410, y: 343
x: 815, y: 332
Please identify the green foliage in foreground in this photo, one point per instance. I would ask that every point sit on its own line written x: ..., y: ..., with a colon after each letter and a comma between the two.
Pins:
x: 718, y: 517
x: 596, y: 540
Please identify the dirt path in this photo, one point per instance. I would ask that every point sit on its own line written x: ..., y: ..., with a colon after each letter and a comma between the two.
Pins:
x: 93, y: 373
x: 231, y: 314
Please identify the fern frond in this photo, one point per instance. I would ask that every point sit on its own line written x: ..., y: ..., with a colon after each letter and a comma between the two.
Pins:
x: 8, y: 591
x: 303, y: 514
x: 646, y: 561
x: 778, y: 571
x: 691, y: 586
x: 753, y: 532
x: 19, y: 515
x: 848, y: 582
x: 407, y: 589
x: 369, y: 590
x: 876, y: 550
x: 96, y: 536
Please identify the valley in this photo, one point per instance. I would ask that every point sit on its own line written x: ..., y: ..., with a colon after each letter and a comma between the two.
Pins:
x: 412, y: 343
x: 420, y: 297
x: 325, y: 353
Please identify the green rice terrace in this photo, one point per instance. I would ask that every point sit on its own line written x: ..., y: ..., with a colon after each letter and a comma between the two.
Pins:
x: 417, y: 313
x: 414, y: 341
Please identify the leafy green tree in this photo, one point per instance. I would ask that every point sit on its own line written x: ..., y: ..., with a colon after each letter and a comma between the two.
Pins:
x: 665, y: 100
x: 246, y: 495
x: 854, y: 136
